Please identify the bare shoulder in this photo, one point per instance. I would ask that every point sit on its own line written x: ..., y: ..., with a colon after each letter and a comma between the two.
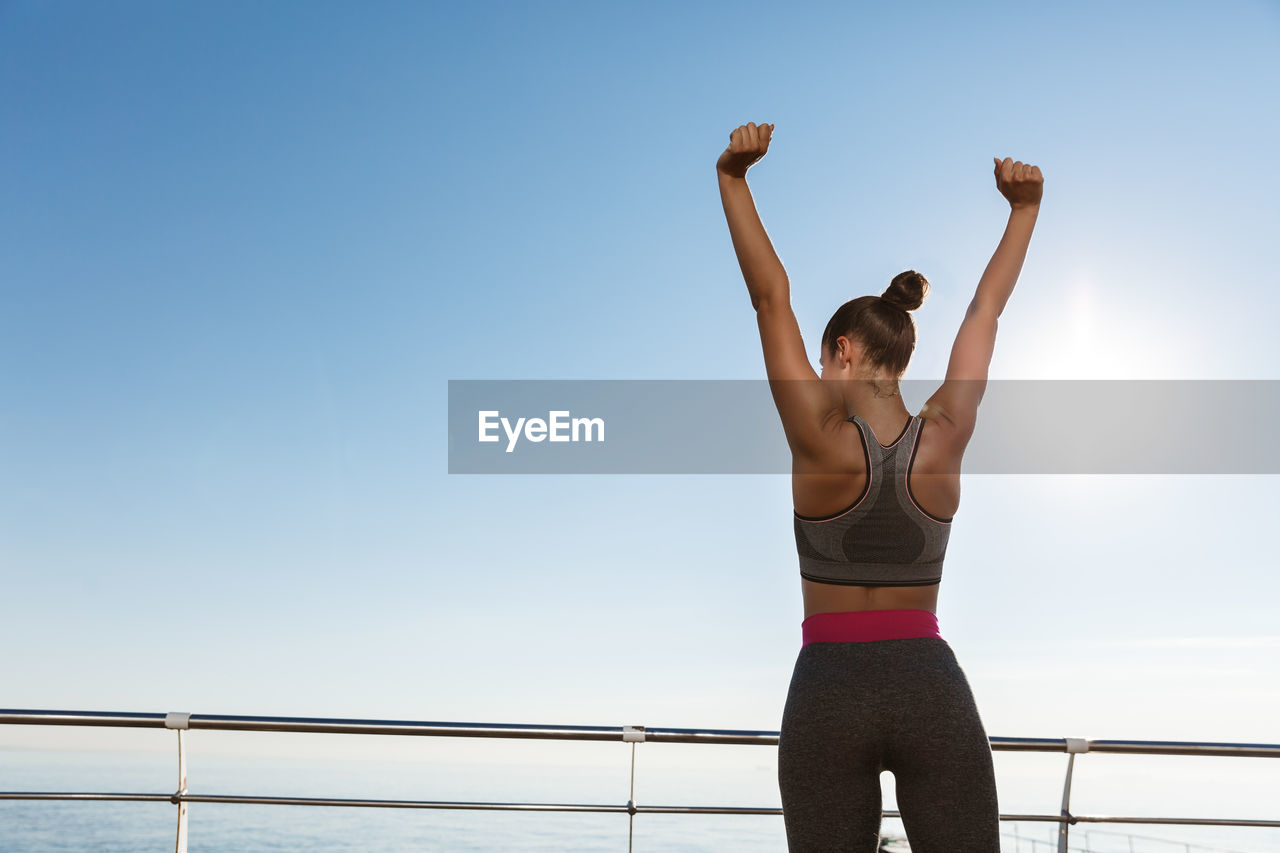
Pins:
x: 840, y: 450
x: 942, y: 441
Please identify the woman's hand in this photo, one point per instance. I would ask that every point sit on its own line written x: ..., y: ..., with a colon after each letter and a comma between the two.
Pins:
x: 1021, y: 184
x: 747, y: 145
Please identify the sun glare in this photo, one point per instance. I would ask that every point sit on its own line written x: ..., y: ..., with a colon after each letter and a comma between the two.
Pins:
x: 1097, y: 338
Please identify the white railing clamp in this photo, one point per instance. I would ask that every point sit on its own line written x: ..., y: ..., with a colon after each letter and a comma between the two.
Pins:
x: 1077, y: 744
x: 633, y: 734
x: 177, y: 720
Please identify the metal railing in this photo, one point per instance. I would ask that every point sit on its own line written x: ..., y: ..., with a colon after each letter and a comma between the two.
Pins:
x: 182, y: 722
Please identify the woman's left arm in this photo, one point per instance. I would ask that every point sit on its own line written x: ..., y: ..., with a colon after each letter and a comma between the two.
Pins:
x: 765, y: 276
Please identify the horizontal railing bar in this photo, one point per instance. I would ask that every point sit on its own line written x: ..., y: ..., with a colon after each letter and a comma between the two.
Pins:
x: 1140, y: 747
x: 1155, y: 747
x: 402, y: 804
x: 1186, y: 821
x: 575, y: 807
x: 324, y: 725
x: 57, y: 795
x: 320, y: 725
x: 368, y: 803
x: 309, y: 801
x: 80, y: 718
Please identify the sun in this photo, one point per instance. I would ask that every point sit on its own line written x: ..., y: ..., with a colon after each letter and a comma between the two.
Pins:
x: 1096, y: 335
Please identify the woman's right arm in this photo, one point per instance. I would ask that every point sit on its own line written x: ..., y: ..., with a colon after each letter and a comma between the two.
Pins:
x: 804, y: 404
x: 956, y: 402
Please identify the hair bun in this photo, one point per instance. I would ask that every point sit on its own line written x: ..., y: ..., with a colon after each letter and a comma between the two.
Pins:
x: 906, y: 291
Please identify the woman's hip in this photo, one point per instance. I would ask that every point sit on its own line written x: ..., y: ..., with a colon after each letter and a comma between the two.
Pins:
x: 876, y: 661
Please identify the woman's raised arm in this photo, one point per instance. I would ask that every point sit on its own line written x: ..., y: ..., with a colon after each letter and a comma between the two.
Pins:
x: 806, y: 408
x: 765, y: 276
x: 956, y: 402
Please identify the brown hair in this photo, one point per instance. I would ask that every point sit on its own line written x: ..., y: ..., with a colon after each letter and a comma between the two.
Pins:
x: 881, y: 323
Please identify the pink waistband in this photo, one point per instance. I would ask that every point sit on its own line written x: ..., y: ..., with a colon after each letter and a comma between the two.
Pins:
x: 864, y: 626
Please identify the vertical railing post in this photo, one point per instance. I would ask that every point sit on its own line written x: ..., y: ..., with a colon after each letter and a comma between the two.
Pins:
x: 181, y: 722
x: 632, y: 735
x: 1066, y: 803
x: 1074, y: 745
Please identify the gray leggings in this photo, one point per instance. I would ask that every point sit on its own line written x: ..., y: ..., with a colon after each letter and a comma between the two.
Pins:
x: 856, y: 709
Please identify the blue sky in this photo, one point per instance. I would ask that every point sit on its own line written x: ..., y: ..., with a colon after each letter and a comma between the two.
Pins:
x: 247, y: 246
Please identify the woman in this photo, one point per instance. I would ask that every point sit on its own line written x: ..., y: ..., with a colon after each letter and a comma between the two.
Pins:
x: 875, y: 687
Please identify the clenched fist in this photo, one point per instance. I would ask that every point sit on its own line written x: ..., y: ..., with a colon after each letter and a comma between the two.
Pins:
x: 1021, y: 184
x: 747, y: 145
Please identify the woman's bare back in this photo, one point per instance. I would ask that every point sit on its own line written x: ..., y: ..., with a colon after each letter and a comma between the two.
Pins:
x: 934, y: 483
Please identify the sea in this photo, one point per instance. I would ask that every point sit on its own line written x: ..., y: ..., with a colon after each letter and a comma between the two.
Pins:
x: 38, y: 826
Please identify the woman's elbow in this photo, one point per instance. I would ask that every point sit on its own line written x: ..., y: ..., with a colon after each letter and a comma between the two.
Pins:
x: 985, y: 308
x: 776, y: 293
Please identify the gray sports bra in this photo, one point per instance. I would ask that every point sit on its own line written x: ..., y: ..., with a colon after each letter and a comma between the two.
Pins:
x: 884, y: 538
